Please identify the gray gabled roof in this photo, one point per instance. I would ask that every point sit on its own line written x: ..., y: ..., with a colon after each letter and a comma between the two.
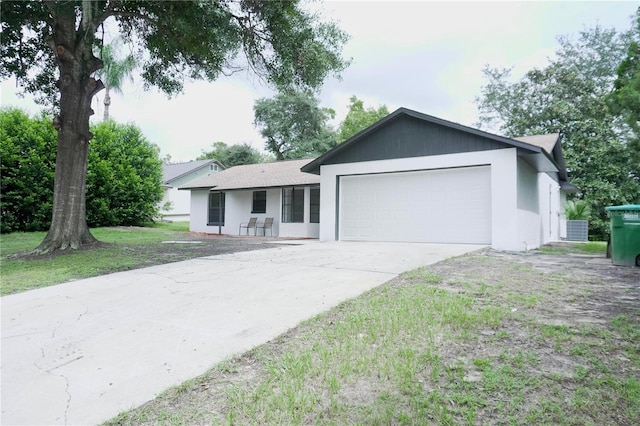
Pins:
x: 261, y: 175
x: 534, y: 148
x: 174, y: 171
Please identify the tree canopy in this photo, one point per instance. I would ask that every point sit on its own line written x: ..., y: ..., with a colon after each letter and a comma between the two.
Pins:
x: 570, y: 96
x: 294, y: 125
x: 625, y: 98
x: 49, y: 46
x: 234, y: 155
x: 358, y: 118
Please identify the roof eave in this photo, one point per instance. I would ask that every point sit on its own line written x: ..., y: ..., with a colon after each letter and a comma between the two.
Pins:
x: 189, y: 188
x: 246, y: 188
x: 568, y: 187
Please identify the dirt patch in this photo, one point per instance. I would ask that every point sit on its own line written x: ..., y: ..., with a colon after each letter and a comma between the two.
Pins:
x: 558, y: 302
x: 193, y: 245
x: 175, y: 247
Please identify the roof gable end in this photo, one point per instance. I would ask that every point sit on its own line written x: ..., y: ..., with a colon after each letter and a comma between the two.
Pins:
x: 407, y: 133
x: 171, y: 172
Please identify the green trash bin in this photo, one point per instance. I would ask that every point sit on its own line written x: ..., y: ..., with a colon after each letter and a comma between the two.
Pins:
x: 625, y: 234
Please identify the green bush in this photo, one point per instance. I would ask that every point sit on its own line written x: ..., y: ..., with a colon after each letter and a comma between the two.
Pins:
x: 123, y: 178
x: 27, y: 165
x: 124, y: 174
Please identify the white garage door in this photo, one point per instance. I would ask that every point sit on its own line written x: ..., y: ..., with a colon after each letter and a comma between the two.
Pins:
x: 438, y: 206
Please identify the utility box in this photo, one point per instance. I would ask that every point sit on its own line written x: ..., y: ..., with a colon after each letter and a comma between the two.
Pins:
x: 577, y: 230
x: 625, y: 234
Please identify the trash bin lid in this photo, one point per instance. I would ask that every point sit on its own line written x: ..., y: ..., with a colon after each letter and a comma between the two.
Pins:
x: 625, y: 207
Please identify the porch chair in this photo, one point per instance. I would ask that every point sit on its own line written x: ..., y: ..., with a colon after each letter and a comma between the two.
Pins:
x: 268, y: 224
x: 249, y: 225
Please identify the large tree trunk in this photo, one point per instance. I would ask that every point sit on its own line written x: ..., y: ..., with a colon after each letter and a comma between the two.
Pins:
x: 76, y: 64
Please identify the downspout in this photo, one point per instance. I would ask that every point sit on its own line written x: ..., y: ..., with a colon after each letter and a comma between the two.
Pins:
x: 550, y: 215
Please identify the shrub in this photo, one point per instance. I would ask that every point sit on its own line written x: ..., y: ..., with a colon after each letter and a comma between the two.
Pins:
x: 577, y: 210
x: 123, y: 176
x: 27, y: 165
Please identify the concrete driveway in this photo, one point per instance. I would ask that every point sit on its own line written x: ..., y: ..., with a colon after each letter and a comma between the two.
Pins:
x: 81, y: 352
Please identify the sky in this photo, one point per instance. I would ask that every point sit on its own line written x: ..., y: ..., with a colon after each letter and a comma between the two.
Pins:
x: 426, y: 56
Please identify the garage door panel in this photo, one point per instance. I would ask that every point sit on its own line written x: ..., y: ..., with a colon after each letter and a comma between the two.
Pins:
x: 452, y: 205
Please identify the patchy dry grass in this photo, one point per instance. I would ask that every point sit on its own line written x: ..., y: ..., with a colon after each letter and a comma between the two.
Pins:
x: 487, y: 339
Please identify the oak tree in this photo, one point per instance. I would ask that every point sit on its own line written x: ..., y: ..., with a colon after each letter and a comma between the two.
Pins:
x: 294, y: 125
x: 49, y: 47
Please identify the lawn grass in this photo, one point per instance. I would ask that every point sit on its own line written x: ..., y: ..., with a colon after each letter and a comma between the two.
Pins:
x: 169, y: 226
x: 590, y: 247
x: 126, y: 248
x: 474, y: 340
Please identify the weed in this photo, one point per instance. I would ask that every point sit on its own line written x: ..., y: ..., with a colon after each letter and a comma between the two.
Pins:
x: 482, y: 364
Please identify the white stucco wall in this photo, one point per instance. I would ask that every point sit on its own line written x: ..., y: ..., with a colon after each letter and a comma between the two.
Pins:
x: 551, y: 206
x: 504, y: 188
x: 238, y: 210
x: 198, y: 221
x: 529, y: 220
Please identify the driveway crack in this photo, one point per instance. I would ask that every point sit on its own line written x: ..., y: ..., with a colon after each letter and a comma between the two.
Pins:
x: 86, y: 311
x: 66, y: 389
x: 66, y: 384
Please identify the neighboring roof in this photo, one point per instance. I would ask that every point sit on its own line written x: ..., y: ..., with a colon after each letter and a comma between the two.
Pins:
x: 546, y: 142
x: 551, y: 144
x: 174, y: 171
x: 261, y: 175
x: 524, y: 147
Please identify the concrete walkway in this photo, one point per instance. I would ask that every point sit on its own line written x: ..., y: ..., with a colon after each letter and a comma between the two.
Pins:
x: 81, y: 352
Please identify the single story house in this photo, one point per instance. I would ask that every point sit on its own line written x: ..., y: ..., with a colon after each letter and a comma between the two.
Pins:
x: 175, y: 205
x: 417, y: 178
x: 410, y: 177
x: 221, y: 202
